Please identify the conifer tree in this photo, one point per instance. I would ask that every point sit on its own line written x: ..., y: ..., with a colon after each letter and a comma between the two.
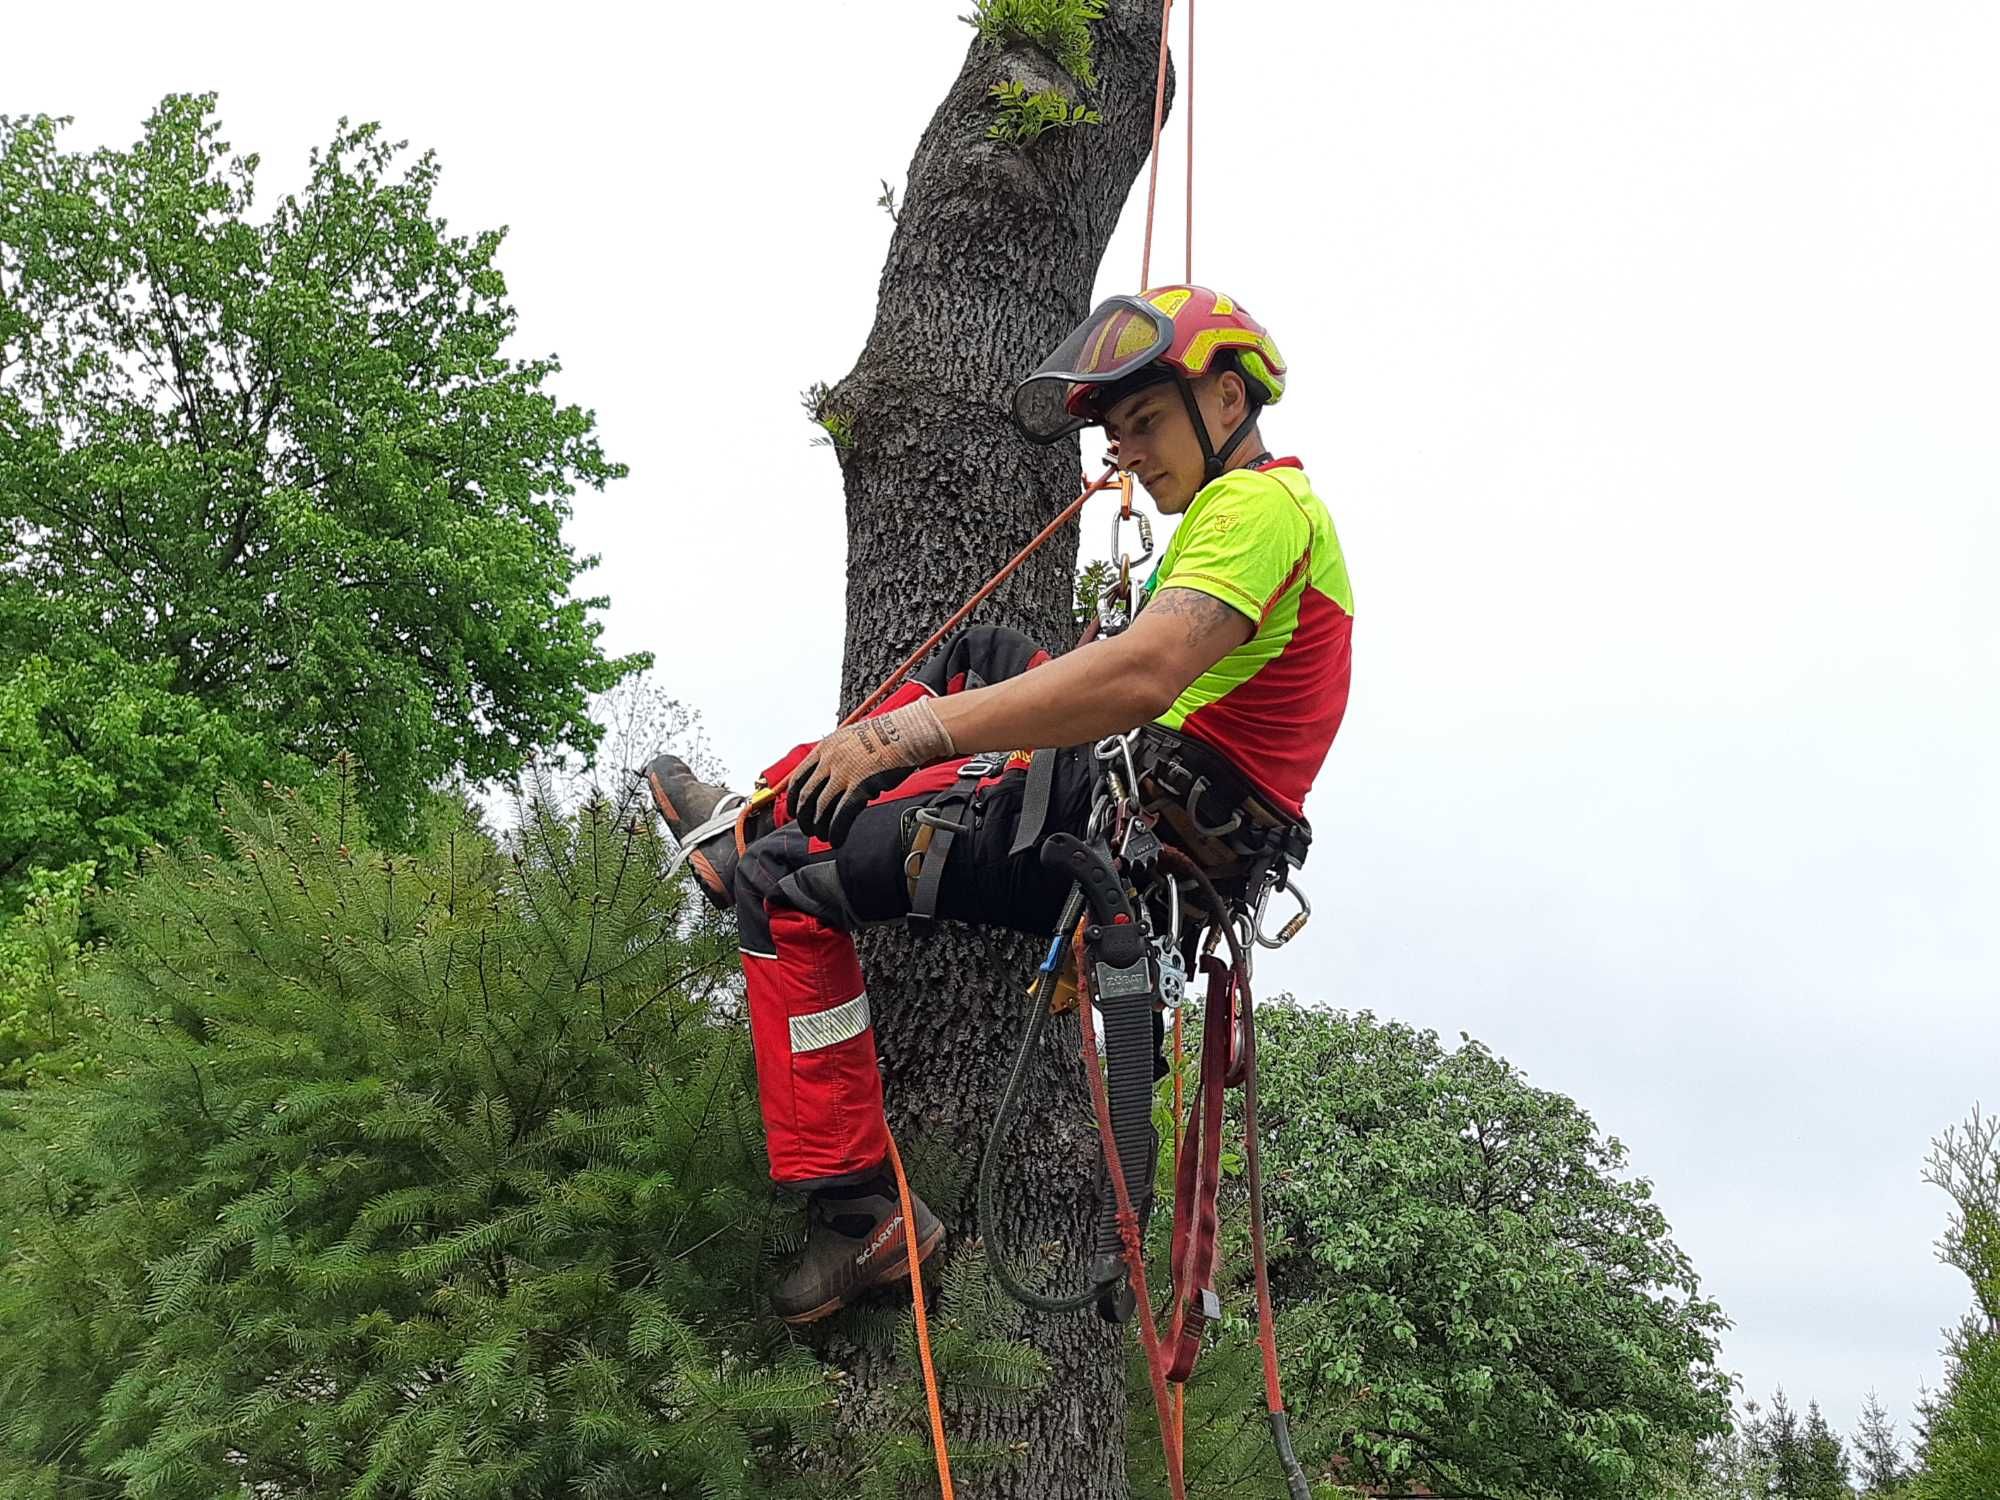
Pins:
x: 1826, y: 1458
x: 1882, y: 1469
x: 424, y: 1174
x: 1782, y: 1447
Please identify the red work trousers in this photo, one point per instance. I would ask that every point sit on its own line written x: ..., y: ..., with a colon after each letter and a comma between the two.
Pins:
x: 798, y: 902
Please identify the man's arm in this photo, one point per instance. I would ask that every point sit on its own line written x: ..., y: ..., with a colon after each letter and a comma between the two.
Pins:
x: 1105, y: 688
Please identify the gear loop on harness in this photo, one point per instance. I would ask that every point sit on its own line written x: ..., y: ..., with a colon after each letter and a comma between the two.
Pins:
x: 1193, y: 804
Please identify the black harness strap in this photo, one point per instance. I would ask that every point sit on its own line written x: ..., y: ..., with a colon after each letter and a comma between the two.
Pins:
x: 1035, y: 800
x: 939, y: 824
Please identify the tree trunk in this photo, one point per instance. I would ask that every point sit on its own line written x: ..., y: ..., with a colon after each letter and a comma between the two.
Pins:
x: 992, y: 262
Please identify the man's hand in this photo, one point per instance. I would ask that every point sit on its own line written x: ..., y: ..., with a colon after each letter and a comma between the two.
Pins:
x: 851, y: 766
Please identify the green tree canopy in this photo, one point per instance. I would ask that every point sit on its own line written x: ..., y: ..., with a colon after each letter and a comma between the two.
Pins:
x: 270, y: 489
x: 1961, y: 1438
x: 1482, y: 1302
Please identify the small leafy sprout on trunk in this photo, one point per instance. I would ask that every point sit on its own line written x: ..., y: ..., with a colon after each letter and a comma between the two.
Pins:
x: 838, y: 431
x: 1025, y: 116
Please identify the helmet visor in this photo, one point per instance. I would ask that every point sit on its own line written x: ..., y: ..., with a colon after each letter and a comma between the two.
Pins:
x: 1120, y: 338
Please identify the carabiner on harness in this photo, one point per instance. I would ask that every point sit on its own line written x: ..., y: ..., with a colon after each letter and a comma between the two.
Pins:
x: 1110, y: 750
x: 1293, y: 926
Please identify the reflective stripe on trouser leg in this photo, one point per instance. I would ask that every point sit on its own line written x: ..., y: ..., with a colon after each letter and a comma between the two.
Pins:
x: 816, y: 1075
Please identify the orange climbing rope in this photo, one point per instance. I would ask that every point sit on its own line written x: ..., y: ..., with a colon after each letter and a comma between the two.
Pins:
x: 1128, y: 1230
x: 923, y: 1321
x: 1153, y: 173
x: 1188, y: 275
x: 1180, y: 1389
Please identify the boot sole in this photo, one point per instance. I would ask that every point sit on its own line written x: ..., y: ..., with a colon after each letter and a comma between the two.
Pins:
x: 891, y: 1271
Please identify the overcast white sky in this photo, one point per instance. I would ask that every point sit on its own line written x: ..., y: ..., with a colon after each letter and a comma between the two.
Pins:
x: 1649, y: 358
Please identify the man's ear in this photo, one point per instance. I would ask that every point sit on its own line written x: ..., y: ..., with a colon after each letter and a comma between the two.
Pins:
x: 1232, y: 396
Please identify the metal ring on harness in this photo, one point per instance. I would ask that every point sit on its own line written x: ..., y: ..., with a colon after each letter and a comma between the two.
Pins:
x: 933, y: 834
x: 1123, y: 744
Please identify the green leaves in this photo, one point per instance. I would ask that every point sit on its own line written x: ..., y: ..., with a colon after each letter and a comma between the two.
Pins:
x: 43, y: 958
x: 1060, y: 28
x: 1474, y: 1286
x: 273, y: 490
x: 1025, y: 116
x: 104, y: 758
x: 1961, y: 1446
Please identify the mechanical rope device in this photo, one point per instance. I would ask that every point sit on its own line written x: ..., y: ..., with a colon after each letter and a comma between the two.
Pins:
x: 1143, y: 912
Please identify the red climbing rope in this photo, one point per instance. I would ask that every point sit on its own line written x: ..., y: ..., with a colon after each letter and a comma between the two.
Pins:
x: 1128, y: 1231
x: 889, y: 684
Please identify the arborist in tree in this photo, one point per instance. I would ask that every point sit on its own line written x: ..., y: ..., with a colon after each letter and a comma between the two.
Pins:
x: 1236, y: 665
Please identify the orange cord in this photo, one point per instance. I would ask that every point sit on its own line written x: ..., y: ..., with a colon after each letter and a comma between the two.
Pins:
x: 923, y: 1321
x: 890, y: 683
x: 1189, y: 277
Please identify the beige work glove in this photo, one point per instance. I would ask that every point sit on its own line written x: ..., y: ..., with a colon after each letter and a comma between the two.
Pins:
x: 851, y: 766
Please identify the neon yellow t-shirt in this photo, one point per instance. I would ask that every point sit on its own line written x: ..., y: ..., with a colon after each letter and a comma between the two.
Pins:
x: 1263, y: 543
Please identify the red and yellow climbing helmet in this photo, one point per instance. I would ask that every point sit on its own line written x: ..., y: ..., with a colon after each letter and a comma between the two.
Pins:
x: 1128, y: 343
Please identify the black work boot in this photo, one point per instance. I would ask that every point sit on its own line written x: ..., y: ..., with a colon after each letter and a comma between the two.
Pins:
x: 687, y: 804
x: 855, y: 1242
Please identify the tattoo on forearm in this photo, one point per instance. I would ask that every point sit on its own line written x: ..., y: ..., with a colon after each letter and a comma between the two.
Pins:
x: 1202, y: 614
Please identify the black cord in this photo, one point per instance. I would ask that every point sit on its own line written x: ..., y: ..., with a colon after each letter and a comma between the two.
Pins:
x: 1010, y: 1101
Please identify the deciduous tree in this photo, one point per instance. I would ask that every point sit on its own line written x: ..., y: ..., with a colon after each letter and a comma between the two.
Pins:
x: 1961, y: 1438
x: 271, y: 488
x: 1486, y: 1302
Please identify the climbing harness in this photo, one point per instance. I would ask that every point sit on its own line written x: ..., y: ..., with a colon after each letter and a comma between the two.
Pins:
x: 931, y: 831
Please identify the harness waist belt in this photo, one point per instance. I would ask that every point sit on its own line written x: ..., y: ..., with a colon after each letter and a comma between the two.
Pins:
x: 1230, y: 827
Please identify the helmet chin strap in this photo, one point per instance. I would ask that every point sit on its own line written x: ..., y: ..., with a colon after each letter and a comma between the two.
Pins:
x: 1212, y: 460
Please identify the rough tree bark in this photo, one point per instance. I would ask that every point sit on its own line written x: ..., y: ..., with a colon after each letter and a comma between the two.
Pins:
x: 993, y: 260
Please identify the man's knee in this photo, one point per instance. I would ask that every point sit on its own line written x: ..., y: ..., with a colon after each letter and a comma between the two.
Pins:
x: 759, y: 873
x: 977, y: 656
x: 814, y: 889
